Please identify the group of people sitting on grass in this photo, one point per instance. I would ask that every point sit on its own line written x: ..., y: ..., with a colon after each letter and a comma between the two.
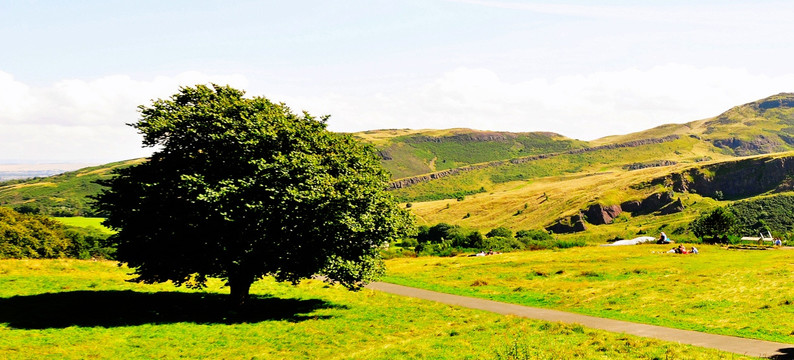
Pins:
x: 681, y: 249
x: 490, y: 252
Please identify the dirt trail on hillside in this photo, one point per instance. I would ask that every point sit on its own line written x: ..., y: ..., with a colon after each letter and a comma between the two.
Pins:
x: 749, y: 347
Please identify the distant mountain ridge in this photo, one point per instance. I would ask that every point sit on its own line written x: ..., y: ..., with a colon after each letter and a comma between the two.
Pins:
x: 27, y: 171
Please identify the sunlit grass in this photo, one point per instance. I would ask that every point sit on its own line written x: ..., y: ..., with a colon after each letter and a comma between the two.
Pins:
x: 84, y: 222
x: 742, y: 293
x: 84, y: 309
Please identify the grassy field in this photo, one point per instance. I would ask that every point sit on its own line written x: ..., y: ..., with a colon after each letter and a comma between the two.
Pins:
x: 743, y: 293
x: 69, y: 309
x: 85, y: 222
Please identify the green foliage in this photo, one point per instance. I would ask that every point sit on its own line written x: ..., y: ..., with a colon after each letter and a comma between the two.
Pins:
x: 773, y: 213
x: 454, y: 194
x: 444, y: 239
x: 424, y: 152
x: 500, y: 232
x: 30, y: 236
x: 476, y: 181
x: 537, y: 235
x: 25, y: 236
x: 747, y: 218
x: 714, y: 226
x: 501, y: 244
x: 89, y: 243
x: 241, y: 188
x: 27, y: 209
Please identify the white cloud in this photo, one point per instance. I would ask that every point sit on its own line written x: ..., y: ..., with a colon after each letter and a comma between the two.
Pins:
x: 84, y: 121
x: 580, y: 106
x: 79, y: 120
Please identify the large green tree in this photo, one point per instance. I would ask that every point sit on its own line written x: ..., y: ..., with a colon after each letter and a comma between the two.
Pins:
x: 240, y: 188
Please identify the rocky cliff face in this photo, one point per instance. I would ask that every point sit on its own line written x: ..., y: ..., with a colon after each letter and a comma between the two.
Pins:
x: 735, y: 179
x: 474, y: 136
x: 759, y: 145
x: 598, y: 214
x: 568, y: 225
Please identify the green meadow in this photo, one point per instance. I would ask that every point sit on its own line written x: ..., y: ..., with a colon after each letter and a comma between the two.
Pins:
x: 85, y: 222
x: 746, y: 293
x: 73, y: 309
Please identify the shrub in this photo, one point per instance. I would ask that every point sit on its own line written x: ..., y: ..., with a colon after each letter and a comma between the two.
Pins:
x: 89, y: 244
x: 408, y: 243
x: 714, y: 226
x: 31, y: 236
x: 500, y: 232
x: 499, y: 243
x: 527, y: 235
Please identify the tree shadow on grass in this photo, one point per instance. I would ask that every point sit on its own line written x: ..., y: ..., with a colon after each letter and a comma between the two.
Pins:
x: 784, y: 354
x: 129, y: 308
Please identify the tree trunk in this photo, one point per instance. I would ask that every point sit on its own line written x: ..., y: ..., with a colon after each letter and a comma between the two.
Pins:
x: 239, y: 289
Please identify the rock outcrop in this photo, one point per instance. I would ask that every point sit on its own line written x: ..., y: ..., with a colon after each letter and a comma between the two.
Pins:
x: 645, y: 165
x: 734, y: 179
x: 598, y: 214
x: 567, y: 225
x: 759, y: 145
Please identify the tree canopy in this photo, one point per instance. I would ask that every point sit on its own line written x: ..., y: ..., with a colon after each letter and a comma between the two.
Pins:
x: 240, y: 188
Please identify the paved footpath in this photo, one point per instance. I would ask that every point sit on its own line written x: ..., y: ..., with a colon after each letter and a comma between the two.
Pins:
x: 749, y: 347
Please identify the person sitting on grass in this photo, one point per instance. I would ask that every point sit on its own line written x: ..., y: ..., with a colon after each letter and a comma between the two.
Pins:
x: 694, y: 250
x: 663, y: 239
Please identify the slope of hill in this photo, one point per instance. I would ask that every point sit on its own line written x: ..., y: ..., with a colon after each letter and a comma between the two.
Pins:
x: 615, y: 203
x: 412, y: 152
x: 683, y: 175
x: 759, y: 127
x: 644, y: 181
x: 60, y: 195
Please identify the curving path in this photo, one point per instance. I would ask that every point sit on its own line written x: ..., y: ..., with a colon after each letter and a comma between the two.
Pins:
x: 749, y: 347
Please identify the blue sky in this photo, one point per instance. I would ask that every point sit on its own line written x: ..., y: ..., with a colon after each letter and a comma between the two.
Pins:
x: 72, y: 73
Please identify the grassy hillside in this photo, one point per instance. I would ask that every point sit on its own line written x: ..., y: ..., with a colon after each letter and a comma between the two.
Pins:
x: 533, y: 194
x: 759, y: 127
x: 59, y: 195
x: 411, y: 152
x: 539, y: 200
x: 523, y: 180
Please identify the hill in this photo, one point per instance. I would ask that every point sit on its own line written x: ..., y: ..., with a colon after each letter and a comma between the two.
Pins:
x: 59, y: 195
x: 557, y: 190
x: 411, y: 152
x: 760, y: 127
x: 485, y: 179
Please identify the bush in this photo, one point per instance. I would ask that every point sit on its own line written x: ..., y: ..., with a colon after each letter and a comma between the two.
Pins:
x: 500, y: 232
x: 715, y: 226
x: 527, y: 235
x: 27, y: 209
x: 408, y: 243
x: 31, y: 236
x: 499, y: 243
x: 89, y: 244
